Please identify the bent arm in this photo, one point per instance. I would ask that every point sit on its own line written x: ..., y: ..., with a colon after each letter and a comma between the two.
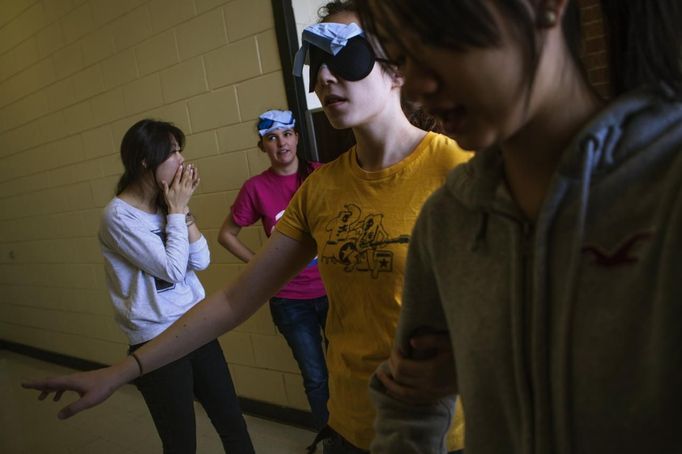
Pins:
x: 193, y: 233
x: 199, y: 253
x: 228, y: 238
x: 400, y: 426
x: 127, y: 236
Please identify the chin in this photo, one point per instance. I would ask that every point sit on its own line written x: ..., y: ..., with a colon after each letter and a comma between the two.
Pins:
x: 340, y: 120
x: 472, y: 141
x: 338, y: 123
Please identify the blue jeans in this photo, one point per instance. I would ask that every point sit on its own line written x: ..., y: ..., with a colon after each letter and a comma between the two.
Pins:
x: 301, y: 322
x: 170, y: 391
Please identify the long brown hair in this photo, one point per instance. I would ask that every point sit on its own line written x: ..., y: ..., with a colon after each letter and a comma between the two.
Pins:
x: 644, y: 36
x: 145, y: 146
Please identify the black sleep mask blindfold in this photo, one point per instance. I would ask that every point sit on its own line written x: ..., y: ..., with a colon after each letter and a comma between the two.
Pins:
x: 354, y: 62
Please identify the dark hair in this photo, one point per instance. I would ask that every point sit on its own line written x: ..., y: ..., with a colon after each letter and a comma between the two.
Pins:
x: 145, y: 146
x: 414, y: 113
x: 335, y: 7
x: 350, y: 6
x: 461, y: 25
x: 305, y: 167
x: 645, y: 44
x: 418, y: 116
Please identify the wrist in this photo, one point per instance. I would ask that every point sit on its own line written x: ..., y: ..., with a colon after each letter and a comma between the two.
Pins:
x: 129, y: 370
x: 138, y: 362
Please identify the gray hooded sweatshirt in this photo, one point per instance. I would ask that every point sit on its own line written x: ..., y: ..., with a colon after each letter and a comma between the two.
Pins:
x: 567, y: 332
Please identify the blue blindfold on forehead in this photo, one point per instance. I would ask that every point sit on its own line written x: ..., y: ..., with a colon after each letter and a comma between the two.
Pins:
x: 342, y: 47
x: 273, y: 120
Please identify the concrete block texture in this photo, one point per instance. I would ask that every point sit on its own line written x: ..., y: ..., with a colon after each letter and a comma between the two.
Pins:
x: 184, y: 80
x: 157, y: 53
x: 247, y: 17
x: 215, y: 109
x: 201, y: 34
x: 235, y: 62
x: 74, y: 76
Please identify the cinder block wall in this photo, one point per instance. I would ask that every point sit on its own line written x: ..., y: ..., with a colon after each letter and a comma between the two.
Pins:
x: 74, y: 75
x: 594, y: 46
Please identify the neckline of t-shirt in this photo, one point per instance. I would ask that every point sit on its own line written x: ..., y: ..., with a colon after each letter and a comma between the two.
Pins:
x: 271, y: 172
x: 392, y: 169
x: 134, y: 208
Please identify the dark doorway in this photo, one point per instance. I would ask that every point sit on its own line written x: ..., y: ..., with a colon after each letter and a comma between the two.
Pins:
x: 330, y: 142
x: 319, y: 140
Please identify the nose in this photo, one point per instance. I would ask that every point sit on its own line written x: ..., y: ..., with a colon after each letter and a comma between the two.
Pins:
x: 325, y: 76
x: 181, y: 158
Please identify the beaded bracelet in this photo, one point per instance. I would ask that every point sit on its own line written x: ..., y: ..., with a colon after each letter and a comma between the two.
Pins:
x: 139, y: 363
x: 189, y: 219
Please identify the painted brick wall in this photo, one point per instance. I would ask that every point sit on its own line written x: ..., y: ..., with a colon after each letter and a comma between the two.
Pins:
x: 74, y: 75
x: 594, y: 45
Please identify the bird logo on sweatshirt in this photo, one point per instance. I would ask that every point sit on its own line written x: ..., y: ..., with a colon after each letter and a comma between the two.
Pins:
x: 623, y: 254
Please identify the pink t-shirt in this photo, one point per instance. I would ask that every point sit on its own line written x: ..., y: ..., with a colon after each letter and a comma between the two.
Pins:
x: 265, y: 197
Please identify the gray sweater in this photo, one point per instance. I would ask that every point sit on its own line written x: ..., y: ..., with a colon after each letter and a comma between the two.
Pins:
x: 149, y: 266
x: 566, y: 333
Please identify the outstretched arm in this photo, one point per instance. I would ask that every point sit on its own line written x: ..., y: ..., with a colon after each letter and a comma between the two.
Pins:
x: 278, y: 261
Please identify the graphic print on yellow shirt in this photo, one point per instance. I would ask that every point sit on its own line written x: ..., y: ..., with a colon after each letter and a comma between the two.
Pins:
x: 361, y: 223
x: 356, y: 242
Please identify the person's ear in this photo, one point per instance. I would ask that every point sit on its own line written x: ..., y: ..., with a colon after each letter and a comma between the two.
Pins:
x: 397, y: 80
x: 260, y: 145
x: 550, y: 13
x: 144, y: 163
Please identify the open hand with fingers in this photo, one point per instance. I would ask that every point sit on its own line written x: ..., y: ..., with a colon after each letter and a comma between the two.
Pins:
x: 180, y: 190
x: 424, y: 376
x: 93, y: 387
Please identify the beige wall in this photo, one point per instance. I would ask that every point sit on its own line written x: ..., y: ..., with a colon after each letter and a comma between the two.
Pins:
x: 74, y: 75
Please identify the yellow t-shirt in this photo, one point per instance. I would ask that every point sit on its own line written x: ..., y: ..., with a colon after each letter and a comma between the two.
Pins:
x: 361, y: 222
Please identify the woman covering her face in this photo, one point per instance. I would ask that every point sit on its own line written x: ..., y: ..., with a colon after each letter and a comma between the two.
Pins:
x: 152, y: 248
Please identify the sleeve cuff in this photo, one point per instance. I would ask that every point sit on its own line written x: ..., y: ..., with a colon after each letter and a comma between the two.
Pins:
x: 289, y: 231
x: 198, y: 245
x: 175, y: 219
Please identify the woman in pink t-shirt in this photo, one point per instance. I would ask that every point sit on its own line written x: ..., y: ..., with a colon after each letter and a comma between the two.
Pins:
x: 299, y: 310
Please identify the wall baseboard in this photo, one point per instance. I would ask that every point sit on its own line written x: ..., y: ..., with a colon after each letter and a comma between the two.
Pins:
x: 265, y: 410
